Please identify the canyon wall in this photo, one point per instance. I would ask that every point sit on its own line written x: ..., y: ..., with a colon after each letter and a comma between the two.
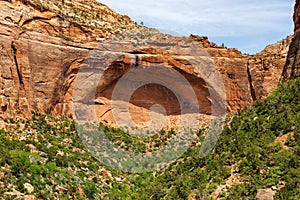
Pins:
x: 292, y: 66
x: 44, y: 44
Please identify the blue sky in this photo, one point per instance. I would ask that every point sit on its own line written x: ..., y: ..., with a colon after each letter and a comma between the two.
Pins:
x: 248, y: 25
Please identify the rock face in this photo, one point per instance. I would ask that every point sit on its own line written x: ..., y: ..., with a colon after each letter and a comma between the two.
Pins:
x: 292, y: 66
x: 265, y: 194
x: 44, y: 44
x: 265, y: 68
x: 248, y: 77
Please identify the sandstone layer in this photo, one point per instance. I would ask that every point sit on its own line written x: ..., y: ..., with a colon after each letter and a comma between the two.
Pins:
x: 44, y: 44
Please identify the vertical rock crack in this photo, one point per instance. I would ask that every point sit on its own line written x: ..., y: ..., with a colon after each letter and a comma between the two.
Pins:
x: 14, y: 49
x: 252, y: 90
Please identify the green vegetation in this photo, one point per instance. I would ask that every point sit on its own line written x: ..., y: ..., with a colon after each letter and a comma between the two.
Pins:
x: 259, y: 149
x: 137, y: 144
x: 247, y: 147
x: 65, y: 38
x: 47, y: 153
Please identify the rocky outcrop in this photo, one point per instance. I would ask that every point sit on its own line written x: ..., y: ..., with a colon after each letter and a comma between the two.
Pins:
x: 292, y: 66
x: 71, y: 20
x: 265, y: 194
x: 248, y: 78
x: 265, y: 68
x: 45, y: 43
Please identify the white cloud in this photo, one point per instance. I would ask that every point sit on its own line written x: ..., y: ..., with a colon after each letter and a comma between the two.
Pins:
x: 215, y: 18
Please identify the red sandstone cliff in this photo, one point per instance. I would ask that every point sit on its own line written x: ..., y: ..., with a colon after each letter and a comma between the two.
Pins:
x: 44, y: 44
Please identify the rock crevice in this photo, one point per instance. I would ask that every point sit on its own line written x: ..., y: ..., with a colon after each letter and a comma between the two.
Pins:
x: 20, y: 78
x: 252, y: 90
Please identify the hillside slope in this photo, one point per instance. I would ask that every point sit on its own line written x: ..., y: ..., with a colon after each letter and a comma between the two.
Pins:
x: 43, y: 157
x: 259, y: 149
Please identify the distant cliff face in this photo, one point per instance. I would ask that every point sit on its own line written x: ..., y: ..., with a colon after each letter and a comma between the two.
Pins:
x: 292, y: 67
x: 248, y: 78
x: 44, y: 44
